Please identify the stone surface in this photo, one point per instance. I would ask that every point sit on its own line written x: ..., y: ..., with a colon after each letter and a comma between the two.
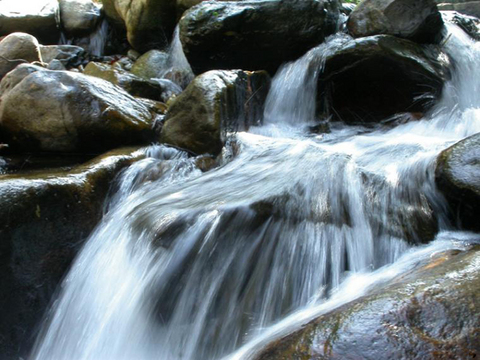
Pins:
x: 79, y: 17
x: 68, y: 55
x: 469, y: 24
x: 417, y: 20
x: 45, y: 216
x: 37, y: 18
x: 215, y: 102
x: 61, y: 111
x: 254, y: 35
x: 429, y: 313
x: 373, y: 78
x: 150, y: 65
x: 15, y: 49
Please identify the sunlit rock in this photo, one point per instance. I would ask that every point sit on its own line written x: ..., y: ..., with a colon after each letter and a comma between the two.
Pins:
x: 17, y: 48
x: 79, y: 17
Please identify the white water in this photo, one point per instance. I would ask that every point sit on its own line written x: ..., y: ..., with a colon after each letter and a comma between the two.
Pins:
x: 191, y: 265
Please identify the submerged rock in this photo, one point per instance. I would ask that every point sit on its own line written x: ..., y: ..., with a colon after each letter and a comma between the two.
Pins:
x: 417, y: 20
x: 254, y: 35
x: 37, y: 18
x: 79, y: 17
x: 69, y: 112
x: 416, y: 316
x: 215, y: 102
x: 16, y: 49
x: 149, y: 23
x: 458, y: 178
x: 373, y: 78
x: 45, y: 216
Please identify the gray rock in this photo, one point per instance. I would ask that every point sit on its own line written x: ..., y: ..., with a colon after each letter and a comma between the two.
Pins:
x: 212, y: 104
x: 68, y: 55
x: 417, y: 20
x: 15, y: 49
x: 79, y: 17
x: 150, y: 65
x: 254, y: 35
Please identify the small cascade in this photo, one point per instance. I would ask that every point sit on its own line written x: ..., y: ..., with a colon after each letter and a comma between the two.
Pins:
x: 200, y: 266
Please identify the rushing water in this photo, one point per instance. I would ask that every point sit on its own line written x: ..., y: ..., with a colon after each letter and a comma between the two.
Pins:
x: 191, y: 265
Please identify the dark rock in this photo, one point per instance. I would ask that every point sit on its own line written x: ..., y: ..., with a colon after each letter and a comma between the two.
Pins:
x: 61, y: 111
x: 16, y: 49
x: 79, y: 17
x: 373, y: 78
x: 458, y: 177
x: 44, y: 219
x: 215, y: 102
x: 417, y: 20
x: 254, y: 35
x: 430, y: 313
x: 37, y: 18
x: 69, y: 55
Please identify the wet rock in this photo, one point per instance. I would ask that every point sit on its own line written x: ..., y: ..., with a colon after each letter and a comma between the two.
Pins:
x: 37, y: 18
x: 254, y: 35
x: 150, y: 65
x: 214, y: 103
x: 79, y: 17
x: 417, y: 20
x: 471, y: 8
x: 14, y: 77
x: 61, y: 111
x: 16, y: 49
x: 469, y: 24
x: 69, y: 55
x: 373, y: 78
x: 45, y: 216
x: 149, y: 23
x: 430, y: 313
x: 458, y: 177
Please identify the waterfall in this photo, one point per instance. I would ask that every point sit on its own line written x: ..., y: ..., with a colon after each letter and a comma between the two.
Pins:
x: 188, y: 265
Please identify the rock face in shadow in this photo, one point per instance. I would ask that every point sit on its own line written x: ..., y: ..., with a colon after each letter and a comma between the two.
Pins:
x: 458, y: 177
x: 417, y: 316
x: 254, y: 35
x: 60, y: 111
x: 214, y: 103
x: 373, y: 78
x: 45, y: 216
x: 417, y: 20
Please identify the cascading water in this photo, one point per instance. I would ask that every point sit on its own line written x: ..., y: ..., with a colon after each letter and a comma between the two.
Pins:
x: 192, y: 265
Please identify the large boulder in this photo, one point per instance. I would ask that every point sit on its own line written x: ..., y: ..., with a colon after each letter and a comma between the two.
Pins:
x: 254, y: 35
x: 61, y: 111
x: 431, y: 313
x: 17, y: 48
x: 79, y: 17
x: 417, y: 20
x: 37, y: 18
x: 149, y: 23
x: 458, y: 178
x: 45, y: 216
x: 372, y: 78
x: 214, y: 103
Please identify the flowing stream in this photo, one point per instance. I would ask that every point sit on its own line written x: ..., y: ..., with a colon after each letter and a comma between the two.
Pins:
x: 191, y: 265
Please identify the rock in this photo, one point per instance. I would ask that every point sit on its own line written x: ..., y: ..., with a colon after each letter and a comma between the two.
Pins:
x: 44, y: 219
x: 347, y: 8
x: 458, y: 177
x: 15, y: 49
x: 61, y: 111
x: 417, y: 20
x: 373, y: 78
x: 469, y: 24
x: 56, y: 65
x: 79, y: 17
x: 149, y: 23
x: 37, y: 18
x: 69, y: 55
x: 254, y: 35
x: 150, y: 65
x: 431, y: 313
x: 14, y: 77
x: 213, y: 103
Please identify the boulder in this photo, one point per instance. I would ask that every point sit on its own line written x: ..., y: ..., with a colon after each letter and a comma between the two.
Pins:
x: 254, y: 35
x: 149, y: 23
x: 417, y: 20
x: 432, y: 312
x: 61, y: 111
x: 79, y: 17
x: 69, y: 55
x: 150, y: 65
x: 134, y: 85
x: 45, y: 216
x: 37, y: 18
x: 458, y: 177
x: 15, y: 49
x: 373, y: 78
x: 214, y: 103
